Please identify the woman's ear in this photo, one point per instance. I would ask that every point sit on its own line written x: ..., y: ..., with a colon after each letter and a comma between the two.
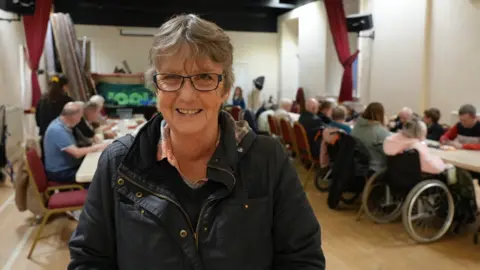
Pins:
x: 225, y: 96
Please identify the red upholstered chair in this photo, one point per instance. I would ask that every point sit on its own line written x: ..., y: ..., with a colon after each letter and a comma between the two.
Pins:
x: 303, y: 147
x: 274, y: 126
x: 236, y: 112
x: 287, y: 135
x: 59, y: 202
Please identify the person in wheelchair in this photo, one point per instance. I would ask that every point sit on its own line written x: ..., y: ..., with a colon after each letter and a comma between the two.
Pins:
x: 412, y: 136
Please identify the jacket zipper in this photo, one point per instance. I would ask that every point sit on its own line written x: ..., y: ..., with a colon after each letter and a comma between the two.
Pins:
x: 167, y: 199
x: 204, y: 206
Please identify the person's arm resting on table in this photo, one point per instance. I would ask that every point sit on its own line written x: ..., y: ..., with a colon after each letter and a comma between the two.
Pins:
x: 79, y: 152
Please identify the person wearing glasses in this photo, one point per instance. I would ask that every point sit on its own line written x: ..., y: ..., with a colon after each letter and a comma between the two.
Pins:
x: 195, y: 189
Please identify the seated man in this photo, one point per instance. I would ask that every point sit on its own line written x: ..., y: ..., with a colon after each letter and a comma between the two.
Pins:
x: 312, y: 124
x: 435, y: 130
x: 466, y: 133
x: 62, y: 156
x: 325, y: 111
x: 404, y: 115
x: 412, y: 136
x: 339, y: 115
x: 284, y: 111
x: 84, y: 132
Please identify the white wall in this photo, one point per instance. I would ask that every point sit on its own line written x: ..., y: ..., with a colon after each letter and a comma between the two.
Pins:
x: 426, y: 59
x: 258, y: 50
x: 11, y: 37
x: 312, y: 40
x: 289, y: 58
x: 455, y: 56
x: 396, y: 69
x: 320, y: 72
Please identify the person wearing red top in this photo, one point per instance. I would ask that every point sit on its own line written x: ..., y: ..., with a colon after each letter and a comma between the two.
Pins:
x: 466, y: 133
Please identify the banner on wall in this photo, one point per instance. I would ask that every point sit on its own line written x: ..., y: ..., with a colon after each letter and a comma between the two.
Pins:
x: 126, y: 94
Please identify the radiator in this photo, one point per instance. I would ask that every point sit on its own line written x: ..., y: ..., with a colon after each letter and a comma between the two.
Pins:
x: 15, y: 122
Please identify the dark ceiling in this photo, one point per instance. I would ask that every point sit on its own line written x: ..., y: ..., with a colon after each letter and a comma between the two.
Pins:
x: 233, y: 15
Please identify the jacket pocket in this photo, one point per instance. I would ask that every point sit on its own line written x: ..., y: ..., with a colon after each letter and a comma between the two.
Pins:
x: 141, y: 242
x: 242, y: 231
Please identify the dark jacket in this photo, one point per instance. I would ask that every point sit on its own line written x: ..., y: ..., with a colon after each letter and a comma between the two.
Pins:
x: 83, y: 133
x: 435, y: 131
x: 349, y: 169
x: 259, y: 218
x: 312, y: 124
x: 48, y: 110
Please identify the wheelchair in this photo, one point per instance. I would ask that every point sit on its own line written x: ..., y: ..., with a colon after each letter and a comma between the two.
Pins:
x: 424, y: 202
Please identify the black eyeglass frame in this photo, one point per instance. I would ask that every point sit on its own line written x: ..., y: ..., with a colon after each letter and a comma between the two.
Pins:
x: 219, y: 79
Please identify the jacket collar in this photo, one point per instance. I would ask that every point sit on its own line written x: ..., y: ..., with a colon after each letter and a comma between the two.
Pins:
x: 235, y: 140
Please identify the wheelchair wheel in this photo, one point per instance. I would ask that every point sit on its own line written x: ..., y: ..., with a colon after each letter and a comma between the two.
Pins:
x: 428, y: 211
x: 379, y: 203
x: 322, y: 180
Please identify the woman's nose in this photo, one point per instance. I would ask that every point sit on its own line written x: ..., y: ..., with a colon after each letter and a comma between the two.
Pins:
x: 187, y: 91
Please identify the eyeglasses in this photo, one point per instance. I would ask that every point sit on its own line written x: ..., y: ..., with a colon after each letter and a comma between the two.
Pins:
x: 173, y: 82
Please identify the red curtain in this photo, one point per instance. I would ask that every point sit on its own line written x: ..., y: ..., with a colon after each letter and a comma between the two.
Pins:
x: 338, y: 27
x: 35, y: 30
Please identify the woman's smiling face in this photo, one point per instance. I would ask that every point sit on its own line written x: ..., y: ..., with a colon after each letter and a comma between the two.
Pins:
x: 187, y: 110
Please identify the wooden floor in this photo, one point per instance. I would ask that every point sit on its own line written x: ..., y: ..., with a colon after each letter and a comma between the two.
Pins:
x: 348, y: 244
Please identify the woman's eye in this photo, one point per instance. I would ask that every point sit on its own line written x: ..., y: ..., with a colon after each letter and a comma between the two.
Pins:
x: 204, y: 77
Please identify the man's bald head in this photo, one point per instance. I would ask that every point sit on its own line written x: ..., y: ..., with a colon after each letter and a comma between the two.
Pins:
x: 72, y: 108
x: 72, y: 113
x: 312, y: 105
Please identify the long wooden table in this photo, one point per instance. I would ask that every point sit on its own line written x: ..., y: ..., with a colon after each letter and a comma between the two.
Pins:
x: 465, y: 159
x: 87, y: 168
x: 90, y: 162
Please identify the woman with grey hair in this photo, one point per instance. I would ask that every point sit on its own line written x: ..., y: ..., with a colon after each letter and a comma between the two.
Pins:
x: 412, y: 136
x: 195, y: 189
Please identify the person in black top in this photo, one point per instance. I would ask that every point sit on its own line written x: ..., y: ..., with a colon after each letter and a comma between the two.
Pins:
x: 435, y: 130
x: 325, y: 111
x: 403, y: 116
x: 85, y: 131
x: 51, y: 104
x: 312, y: 124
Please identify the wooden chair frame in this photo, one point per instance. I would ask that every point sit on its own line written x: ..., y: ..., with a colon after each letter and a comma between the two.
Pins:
x: 43, y: 197
x: 309, y: 153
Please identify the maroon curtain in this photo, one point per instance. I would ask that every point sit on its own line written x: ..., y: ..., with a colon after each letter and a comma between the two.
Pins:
x: 338, y: 27
x: 35, y: 30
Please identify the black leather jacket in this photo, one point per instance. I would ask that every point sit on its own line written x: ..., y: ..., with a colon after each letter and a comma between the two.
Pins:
x: 260, y: 219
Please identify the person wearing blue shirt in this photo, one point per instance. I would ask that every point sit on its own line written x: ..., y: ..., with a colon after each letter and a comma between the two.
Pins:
x: 62, y: 156
x: 238, y: 99
x: 338, y: 119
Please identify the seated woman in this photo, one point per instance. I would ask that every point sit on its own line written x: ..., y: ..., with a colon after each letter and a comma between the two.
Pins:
x: 412, y: 136
x: 371, y: 131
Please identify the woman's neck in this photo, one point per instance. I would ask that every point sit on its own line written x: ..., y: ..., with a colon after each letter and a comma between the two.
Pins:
x: 191, y: 148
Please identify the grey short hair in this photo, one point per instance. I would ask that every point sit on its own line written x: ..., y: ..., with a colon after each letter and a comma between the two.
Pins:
x: 414, y: 128
x: 204, y: 38
x: 91, y: 106
x: 468, y: 109
x: 97, y: 99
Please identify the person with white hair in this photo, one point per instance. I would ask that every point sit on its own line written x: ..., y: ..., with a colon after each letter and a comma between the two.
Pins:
x: 283, y: 111
x: 404, y: 115
x: 99, y: 100
x: 412, y: 136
